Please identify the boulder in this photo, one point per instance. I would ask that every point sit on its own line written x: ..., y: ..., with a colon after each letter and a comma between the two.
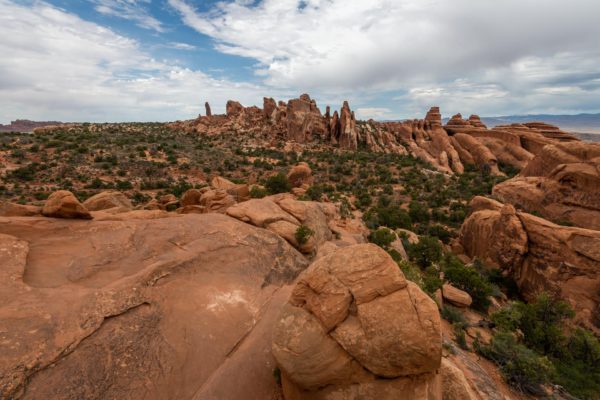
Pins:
x: 167, y: 198
x: 352, y: 320
x: 455, y: 296
x: 190, y: 197
x: 218, y: 201
x: 108, y: 199
x: 300, y: 174
x: 64, y: 204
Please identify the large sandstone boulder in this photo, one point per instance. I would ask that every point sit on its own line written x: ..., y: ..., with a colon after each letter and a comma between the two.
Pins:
x: 179, y: 307
x: 64, y: 204
x: 107, y: 200
x: 540, y: 255
x: 355, y: 327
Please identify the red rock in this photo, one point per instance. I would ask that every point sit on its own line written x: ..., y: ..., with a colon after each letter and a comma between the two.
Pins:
x: 64, y: 204
x: 233, y: 108
x: 207, y: 108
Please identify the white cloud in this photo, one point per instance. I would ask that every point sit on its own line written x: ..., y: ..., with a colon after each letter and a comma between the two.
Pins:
x: 507, y: 48
x: 130, y: 9
x: 181, y: 46
x: 60, y: 67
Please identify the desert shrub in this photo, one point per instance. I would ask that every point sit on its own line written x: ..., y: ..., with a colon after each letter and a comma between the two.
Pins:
x: 440, y: 232
x: 418, y: 212
x: 124, y: 185
x: 382, y: 237
x: 453, y: 315
x: 278, y: 183
x: 257, y: 192
x: 26, y: 173
x: 426, y: 252
x: 303, y: 233
x: 431, y: 279
x: 315, y: 192
x: 459, y: 335
x: 521, y: 367
x: 469, y: 280
x: 411, y: 272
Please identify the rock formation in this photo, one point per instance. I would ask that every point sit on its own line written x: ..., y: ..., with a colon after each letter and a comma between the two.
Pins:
x: 64, y: 204
x: 562, y: 183
x: 355, y: 328
x: 538, y: 254
x: 108, y: 200
x: 207, y: 108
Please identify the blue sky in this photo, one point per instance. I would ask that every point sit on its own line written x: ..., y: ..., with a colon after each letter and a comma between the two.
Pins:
x: 145, y: 60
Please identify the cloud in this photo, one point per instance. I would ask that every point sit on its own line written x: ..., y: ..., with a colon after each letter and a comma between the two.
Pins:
x: 509, y: 49
x: 62, y: 67
x: 373, y: 113
x: 131, y: 10
x: 180, y: 46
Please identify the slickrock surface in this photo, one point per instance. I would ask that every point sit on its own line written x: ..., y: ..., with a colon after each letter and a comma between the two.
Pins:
x: 175, y: 307
x: 355, y: 328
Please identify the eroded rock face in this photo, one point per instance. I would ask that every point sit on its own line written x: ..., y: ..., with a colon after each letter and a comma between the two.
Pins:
x: 353, y: 319
x: 540, y: 255
x: 178, y: 307
x: 64, y: 204
x: 562, y: 183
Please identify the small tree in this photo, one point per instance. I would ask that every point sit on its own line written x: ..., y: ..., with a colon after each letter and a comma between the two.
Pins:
x: 278, y: 184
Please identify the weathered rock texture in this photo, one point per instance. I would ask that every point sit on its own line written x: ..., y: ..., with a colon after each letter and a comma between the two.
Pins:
x: 178, y: 307
x: 540, y: 255
x: 355, y: 328
x: 562, y: 183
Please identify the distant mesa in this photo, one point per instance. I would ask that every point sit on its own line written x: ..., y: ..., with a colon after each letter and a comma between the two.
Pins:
x: 25, y: 125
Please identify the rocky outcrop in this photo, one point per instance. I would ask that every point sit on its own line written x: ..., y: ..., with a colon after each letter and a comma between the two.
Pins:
x: 355, y: 327
x: 177, y: 307
x: 447, y: 148
x: 233, y: 108
x: 64, y: 204
x: 562, y: 183
x: 540, y: 255
x: 111, y: 199
x: 207, y: 109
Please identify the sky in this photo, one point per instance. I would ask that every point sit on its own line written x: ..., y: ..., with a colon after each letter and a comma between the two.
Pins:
x: 160, y: 60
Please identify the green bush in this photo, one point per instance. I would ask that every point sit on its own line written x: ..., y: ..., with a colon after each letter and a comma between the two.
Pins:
x: 258, y: 192
x: 278, y: 183
x: 303, y: 233
x: 469, y: 280
x: 522, y: 368
x: 382, y: 237
x: 453, y: 315
x: 426, y: 252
